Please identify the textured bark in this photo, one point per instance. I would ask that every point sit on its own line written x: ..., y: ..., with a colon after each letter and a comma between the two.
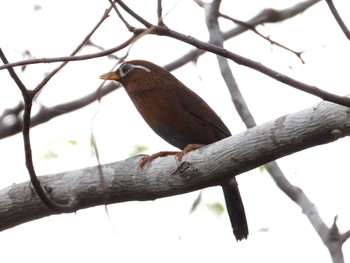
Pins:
x: 205, y: 167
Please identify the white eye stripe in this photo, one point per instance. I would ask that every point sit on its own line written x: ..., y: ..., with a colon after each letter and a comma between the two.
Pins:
x: 142, y: 67
x: 126, y: 68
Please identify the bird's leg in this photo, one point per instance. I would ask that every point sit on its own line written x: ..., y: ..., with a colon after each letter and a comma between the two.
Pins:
x: 178, y: 155
x: 188, y: 148
x: 150, y: 158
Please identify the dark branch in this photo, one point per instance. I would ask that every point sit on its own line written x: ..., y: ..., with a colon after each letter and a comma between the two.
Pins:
x: 28, y: 96
x: 313, y: 90
x: 13, y: 73
x: 72, y: 58
x: 76, y: 50
x: 338, y: 18
x: 266, y: 16
x: 45, y: 114
x: 253, y: 29
x: 160, y: 13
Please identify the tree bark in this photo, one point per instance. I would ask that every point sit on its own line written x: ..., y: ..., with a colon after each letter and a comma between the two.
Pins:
x: 208, y: 166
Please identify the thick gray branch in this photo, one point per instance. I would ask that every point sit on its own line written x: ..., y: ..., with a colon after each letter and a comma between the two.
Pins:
x: 208, y: 166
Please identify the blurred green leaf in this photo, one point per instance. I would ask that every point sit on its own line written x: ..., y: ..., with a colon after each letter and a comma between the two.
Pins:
x: 217, y: 208
x: 262, y: 168
x: 49, y: 155
x: 137, y: 149
x: 57, y: 147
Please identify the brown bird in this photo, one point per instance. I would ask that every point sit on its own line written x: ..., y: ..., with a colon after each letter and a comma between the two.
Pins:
x: 181, y: 118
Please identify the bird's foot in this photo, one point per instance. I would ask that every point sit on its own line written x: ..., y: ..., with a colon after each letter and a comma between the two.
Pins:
x: 150, y: 158
x: 188, y: 148
x: 178, y: 155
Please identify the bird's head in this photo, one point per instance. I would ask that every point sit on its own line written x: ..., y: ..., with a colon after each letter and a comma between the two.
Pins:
x: 134, y: 73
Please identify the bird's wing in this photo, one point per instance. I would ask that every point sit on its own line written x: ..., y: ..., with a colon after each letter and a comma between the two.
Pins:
x: 212, y: 120
x: 203, y: 113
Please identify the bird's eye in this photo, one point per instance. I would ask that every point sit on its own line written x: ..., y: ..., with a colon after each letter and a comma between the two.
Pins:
x: 125, y: 69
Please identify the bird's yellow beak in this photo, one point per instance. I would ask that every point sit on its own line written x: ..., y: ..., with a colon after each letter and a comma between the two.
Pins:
x: 110, y: 76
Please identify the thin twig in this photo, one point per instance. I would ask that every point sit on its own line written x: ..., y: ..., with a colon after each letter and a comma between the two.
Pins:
x: 160, y: 13
x: 76, y: 50
x: 93, y: 44
x: 265, y: 16
x: 253, y: 28
x: 28, y: 96
x: 13, y: 73
x: 45, y: 114
x: 133, y: 14
x: 165, y: 31
x: 296, y: 194
x: 128, y: 26
x: 73, y: 58
x: 338, y: 18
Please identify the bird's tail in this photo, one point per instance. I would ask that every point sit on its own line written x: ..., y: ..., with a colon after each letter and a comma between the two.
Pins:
x: 235, y: 209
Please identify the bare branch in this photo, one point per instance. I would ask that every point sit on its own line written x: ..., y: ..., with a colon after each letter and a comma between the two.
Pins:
x: 28, y: 96
x: 87, y: 37
x: 73, y: 58
x: 253, y: 29
x: 160, y: 13
x: 216, y: 38
x: 293, y: 192
x: 162, y: 177
x: 133, y: 14
x: 128, y: 26
x: 266, y: 16
x: 165, y: 31
x: 313, y: 90
x: 338, y: 18
x: 345, y: 236
x: 45, y: 114
x: 13, y: 73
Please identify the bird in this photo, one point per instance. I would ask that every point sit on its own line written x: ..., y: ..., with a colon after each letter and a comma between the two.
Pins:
x: 180, y: 117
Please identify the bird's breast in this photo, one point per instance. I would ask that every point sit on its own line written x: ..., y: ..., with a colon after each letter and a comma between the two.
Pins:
x: 167, y: 115
x: 163, y: 116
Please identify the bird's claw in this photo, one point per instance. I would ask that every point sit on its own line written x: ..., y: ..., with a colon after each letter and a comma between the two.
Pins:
x: 144, y: 160
x: 150, y: 158
x: 178, y: 155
